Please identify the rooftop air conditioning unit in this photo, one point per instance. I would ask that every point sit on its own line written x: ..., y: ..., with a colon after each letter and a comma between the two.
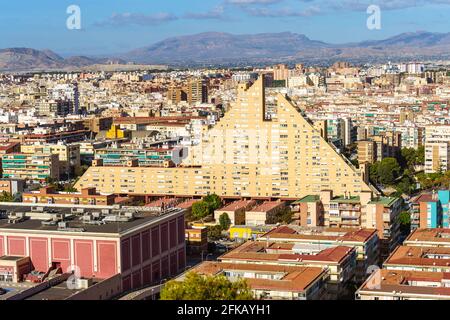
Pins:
x: 87, y: 217
x: 84, y: 283
x: 62, y: 225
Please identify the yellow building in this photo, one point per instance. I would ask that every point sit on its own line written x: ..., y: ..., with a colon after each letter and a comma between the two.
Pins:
x: 116, y: 133
x: 246, y: 154
x: 244, y: 233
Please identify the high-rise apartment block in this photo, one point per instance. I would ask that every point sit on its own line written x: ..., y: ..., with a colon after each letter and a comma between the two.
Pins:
x: 247, y: 154
x: 437, y: 148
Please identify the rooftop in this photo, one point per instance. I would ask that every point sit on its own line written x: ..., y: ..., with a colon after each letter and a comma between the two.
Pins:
x: 419, y: 256
x: 413, y: 283
x: 272, y: 251
x: 385, y: 201
x: 296, y: 233
x: 310, y: 198
x: 75, y: 223
x: 438, y: 235
x: 236, y: 205
x: 292, y: 278
x: 266, y: 206
x: 344, y: 199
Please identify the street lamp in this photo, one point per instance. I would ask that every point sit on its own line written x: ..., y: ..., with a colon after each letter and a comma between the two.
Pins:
x: 209, y: 254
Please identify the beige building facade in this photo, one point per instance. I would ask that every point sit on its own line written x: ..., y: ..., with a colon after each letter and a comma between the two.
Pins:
x: 247, y: 154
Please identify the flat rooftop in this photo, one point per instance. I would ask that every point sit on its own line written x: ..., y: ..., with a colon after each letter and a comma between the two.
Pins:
x: 11, y: 258
x: 413, y: 283
x: 58, y: 292
x: 436, y: 235
x: 76, y: 223
x: 419, y: 256
x: 272, y: 251
x: 310, y: 198
x: 343, y: 199
x: 297, y: 233
x: 385, y: 201
x: 290, y: 278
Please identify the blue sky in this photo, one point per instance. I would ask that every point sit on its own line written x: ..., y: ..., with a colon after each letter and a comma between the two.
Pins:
x: 114, y: 26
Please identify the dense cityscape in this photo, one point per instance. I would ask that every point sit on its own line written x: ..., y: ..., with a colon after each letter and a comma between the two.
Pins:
x: 297, y: 179
x: 319, y: 175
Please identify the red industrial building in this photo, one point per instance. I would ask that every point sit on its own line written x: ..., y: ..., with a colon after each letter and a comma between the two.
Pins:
x: 144, y: 247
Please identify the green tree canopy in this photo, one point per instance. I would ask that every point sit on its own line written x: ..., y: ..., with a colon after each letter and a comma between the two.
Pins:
x: 404, y: 218
x: 200, y: 210
x: 407, y: 185
x: 224, y: 221
x: 214, y: 233
x: 411, y: 157
x: 199, y: 287
x: 388, y: 170
x: 6, y: 197
x: 283, y: 216
x: 214, y: 202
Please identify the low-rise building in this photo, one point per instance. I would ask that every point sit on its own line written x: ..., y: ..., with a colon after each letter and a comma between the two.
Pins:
x: 338, y: 261
x: 35, y: 167
x: 196, y: 239
x: 308, y: 211
x: 431, y: 259
x: 68, y: 155
x: 141, y: 246
x: 365, y: 242
x: 405, y: 285
x: 272, y: 281
x: 235, y: 211
x: 263, y: 213
x: 12, y: 186
x: 87, y: 196
x: 436, y: 237
x: 241, y: 233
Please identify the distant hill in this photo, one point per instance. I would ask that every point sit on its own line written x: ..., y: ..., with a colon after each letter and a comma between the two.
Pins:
x: 25, y: 59
x: 225, y: 48
x: 216, y: 47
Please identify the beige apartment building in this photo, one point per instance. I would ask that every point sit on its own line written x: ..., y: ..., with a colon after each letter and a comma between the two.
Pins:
x: 437, y: 148
x: 366, y: 151
x: 247, y: 154
x: 68, y: 154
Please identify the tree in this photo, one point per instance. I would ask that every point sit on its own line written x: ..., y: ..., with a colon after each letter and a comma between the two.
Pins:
x: 373, y: 172
x: 214, y: 233
x: 411, y: 157
x: 408, y: 157
x: 388, y: 171
x: 224, y: 221
x: 200, y: 210
x: 405, y: 222
x: 282, y: 216
x: 6, y: 197
x: 199, y: 287
x: 69, y: 188
x: 214, y: 202
x: 407, y: 185
x: 420, y: 155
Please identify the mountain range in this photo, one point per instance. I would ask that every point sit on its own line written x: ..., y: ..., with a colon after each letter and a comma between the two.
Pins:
x: 228, y: 49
